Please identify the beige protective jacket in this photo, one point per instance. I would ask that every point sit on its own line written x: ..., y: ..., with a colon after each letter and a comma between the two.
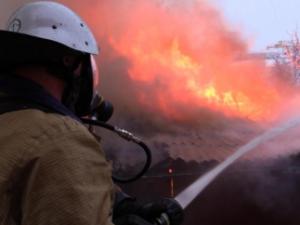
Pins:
x: 52, y: 172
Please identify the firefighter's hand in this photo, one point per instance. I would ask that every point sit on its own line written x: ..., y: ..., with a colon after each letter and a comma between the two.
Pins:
x: 127, y: 209
x: 154, y: 210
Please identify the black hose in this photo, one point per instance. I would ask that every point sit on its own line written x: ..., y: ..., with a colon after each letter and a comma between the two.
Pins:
x: 129, y: 137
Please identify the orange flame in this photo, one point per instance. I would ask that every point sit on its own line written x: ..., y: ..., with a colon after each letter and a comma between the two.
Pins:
x: 187, y: 58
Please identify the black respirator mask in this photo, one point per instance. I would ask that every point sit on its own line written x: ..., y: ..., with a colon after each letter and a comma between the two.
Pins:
x: 80, y: 94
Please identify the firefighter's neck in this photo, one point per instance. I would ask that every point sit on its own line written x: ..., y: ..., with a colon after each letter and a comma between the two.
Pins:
x: 41, y: 76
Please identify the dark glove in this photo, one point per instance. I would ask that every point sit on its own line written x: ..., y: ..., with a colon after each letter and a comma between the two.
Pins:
x: 152, y: 211
x: 127, y: 211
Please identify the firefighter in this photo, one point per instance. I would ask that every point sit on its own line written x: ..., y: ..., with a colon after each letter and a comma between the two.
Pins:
x: 52, y: 169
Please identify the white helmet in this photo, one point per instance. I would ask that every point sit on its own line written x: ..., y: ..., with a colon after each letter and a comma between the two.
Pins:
x: 55, y: 22
x: 44, y: 33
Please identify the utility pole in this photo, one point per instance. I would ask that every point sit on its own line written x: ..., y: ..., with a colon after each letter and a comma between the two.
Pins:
x: 288, y: 53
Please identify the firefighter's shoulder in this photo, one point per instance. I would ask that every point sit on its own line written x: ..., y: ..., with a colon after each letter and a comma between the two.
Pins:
x: 33, y: 127
x: 37, y: 121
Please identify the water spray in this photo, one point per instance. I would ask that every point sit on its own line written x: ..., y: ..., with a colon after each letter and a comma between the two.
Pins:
x: 191, y: 192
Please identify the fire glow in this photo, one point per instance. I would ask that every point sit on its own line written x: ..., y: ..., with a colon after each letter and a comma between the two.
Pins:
x: 184, y: 58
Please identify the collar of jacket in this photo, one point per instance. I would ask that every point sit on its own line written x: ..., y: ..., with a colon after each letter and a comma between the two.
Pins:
x: 23, y: 93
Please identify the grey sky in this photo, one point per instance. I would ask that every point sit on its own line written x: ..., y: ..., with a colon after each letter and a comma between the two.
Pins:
x: 263, y: 21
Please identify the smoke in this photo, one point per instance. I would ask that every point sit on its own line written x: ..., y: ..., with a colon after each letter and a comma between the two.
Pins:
x: 176, y: 59
x: 148, y: 89
x: 259, y: 192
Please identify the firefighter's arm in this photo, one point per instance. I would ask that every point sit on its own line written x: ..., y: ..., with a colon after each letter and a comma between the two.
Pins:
x: 69, y: 184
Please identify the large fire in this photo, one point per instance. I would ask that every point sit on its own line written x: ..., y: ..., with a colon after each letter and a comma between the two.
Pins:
x: 185, y: 57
